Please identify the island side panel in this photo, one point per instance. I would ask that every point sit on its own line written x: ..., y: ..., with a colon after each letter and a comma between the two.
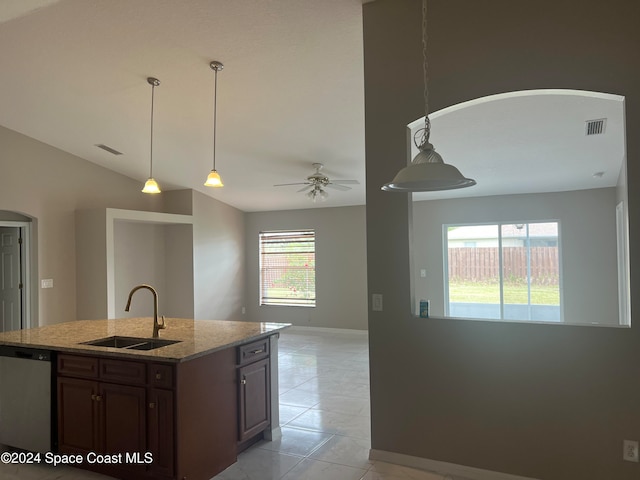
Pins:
x: 273, y: 432
x: 206, y: 415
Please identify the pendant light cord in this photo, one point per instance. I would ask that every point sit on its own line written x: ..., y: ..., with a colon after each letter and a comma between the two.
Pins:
x: 426, y: 131
x: 215, y: 118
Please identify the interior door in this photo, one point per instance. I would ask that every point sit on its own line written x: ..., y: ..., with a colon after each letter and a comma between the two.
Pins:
x: 10, y: 279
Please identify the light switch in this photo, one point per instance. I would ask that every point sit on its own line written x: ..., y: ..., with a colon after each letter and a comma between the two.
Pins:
x: 46, y: 283
x: 376, y: 300
x: 423, y: 273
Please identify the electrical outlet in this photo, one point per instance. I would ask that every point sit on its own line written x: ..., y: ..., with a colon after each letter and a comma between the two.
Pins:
x: 630, y: 451
x: 376, y: 300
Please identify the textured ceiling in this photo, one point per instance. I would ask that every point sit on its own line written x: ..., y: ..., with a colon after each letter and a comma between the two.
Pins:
x: 291, y: 94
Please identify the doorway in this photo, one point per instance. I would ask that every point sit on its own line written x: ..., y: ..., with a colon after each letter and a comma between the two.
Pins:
x: 14, y: 284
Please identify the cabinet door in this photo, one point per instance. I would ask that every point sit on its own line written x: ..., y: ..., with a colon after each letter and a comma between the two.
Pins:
x: 124, y: 418
x: 255, y: 405
x: 161, y: 431
x: 78, y: 416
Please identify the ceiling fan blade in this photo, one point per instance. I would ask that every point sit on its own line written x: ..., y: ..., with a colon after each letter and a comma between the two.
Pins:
x: 338, y: 187
x: 304, y: 189
x: 287, y: 184
x: 346, y: 182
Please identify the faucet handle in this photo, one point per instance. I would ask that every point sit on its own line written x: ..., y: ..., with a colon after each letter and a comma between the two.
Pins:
x: 162, y: 324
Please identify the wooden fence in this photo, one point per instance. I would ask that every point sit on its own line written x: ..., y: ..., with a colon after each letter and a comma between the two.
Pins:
x: 482, y: 264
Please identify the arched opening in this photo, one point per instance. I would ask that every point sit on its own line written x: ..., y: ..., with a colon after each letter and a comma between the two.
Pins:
x: 539, y: 157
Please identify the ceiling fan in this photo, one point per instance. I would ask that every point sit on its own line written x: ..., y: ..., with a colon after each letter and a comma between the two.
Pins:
x: 317, y: 181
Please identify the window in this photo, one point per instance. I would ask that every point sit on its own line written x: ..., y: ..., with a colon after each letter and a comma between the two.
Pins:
x: 288, y: 268
x: 503, y: 271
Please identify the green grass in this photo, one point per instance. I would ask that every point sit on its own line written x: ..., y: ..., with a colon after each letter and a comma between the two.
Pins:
x: 513, y: 294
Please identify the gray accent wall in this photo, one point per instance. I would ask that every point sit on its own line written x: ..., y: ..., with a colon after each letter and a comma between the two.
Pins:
x: 341, y: 270
x: 543, y: 401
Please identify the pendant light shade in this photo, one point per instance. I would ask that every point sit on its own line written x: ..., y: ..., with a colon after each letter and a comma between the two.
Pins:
x: 427, y: 171
x: 213, y: 179
x: 151, y: 186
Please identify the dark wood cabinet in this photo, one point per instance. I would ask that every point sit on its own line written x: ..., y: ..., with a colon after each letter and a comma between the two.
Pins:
x: 123, y: 425
x: 193, y: 417
x: 118, y: 412
x: 161, y: 433
x: 254, y: 391
x: 254, y: 399
x: 78, y: 415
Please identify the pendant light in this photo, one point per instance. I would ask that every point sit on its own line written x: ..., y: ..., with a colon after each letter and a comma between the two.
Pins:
x: 427, y: 171
x: 151, y: 186
x: 214, y: 180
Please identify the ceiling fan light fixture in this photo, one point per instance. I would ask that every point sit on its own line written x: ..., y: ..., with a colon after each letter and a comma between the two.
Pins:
x: 213, y: 180
x: 317, y: 194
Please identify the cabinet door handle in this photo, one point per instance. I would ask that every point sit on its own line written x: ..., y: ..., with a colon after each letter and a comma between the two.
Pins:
x: 243, y: 381
x: 93, y: 396
x: 98, y: 398
x: 152, y: 405
x: 158, y: 376
x: 255, y: 352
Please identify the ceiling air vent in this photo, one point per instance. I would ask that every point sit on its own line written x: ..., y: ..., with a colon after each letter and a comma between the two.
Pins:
x: 595, y: 127
x: 107, y: 148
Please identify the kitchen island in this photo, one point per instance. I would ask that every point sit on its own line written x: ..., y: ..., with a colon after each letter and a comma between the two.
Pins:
x: 180, y: 411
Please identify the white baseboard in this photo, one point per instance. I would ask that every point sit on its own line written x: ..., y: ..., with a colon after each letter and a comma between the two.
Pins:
x: 302, y: 329
x: 442, y: 468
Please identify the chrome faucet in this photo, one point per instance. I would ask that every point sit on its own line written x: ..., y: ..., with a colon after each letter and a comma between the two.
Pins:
x: 156, y: 325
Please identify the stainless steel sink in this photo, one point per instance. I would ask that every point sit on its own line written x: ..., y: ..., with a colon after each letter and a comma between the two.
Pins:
x: 131, y: 343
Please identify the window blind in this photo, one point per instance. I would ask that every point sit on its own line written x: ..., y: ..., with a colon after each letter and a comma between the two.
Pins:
x: 288, y: 268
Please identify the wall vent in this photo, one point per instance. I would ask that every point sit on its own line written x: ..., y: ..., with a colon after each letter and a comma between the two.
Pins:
x: 595, y: 127
x: 107, y: 148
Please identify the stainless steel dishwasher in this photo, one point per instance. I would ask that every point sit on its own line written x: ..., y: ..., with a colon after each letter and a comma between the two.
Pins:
x: 26, y: 388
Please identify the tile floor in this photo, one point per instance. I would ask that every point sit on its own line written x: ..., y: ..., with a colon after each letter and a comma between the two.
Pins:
x: 324, y: 414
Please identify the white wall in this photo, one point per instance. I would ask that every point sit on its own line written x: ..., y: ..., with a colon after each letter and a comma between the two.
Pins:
x: 587, y: 236
x: 341, y: 271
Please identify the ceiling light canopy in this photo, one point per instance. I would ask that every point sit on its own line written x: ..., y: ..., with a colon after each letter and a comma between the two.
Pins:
x: 151, y: 186
x: 213, y: 179
x: 427, y: 171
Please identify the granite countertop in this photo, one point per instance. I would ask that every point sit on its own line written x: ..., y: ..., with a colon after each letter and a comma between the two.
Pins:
x: 196, y: 337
